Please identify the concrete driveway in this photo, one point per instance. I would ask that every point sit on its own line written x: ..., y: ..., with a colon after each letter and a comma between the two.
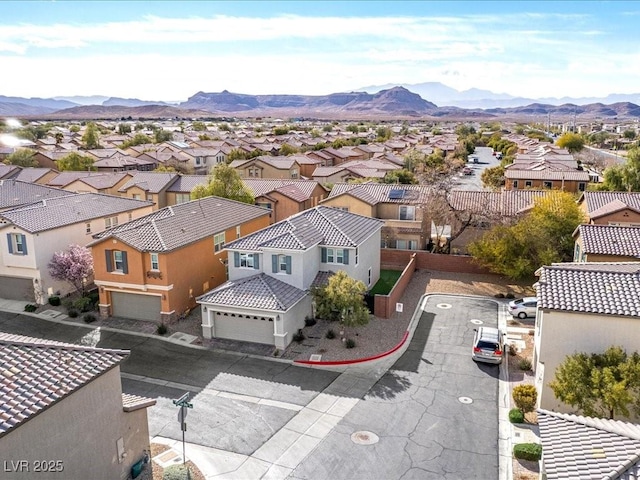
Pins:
x: 434, y: 414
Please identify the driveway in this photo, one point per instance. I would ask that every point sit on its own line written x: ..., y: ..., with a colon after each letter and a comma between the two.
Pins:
x: 434, y: 414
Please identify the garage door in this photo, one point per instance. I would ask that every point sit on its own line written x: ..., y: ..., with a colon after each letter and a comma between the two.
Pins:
x: 246, y: 328
x: 14, y: 288
x: 140, y: 307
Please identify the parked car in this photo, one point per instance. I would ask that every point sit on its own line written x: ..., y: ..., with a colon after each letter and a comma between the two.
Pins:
x: 488, y: 345
x: 467, y: 171
x: 524, y: 307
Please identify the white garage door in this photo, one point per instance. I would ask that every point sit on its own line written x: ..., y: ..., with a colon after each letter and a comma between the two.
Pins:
x: 244, y: 327
x: 139, y: 307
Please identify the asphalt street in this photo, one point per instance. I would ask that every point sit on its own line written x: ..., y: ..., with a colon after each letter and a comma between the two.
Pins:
x: 485, y: 160
x: 432, y: 414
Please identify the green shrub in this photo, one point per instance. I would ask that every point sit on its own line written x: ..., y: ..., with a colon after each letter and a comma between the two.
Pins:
x: 525, y: 364
x: 54, y: 301
x: 527, y: 451
x: 499, y: 295
x: 94, y: 296
x: 89, y: 318
x: 330, y: 334
x: 299, y: 336
x: 525, y: 397
x: 350, y: 343
x: 309, y: 321
x: 176, y: 472
x: 30, y: 307
x: 516, y: 415
x: 72, y: 313
x: 161, y: 329
x: 83, y: 304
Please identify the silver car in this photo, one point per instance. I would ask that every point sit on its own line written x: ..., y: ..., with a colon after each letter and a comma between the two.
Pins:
x: 488, y: 345
x: 524, y: 307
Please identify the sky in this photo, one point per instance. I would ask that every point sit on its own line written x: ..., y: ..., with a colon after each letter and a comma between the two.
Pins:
x: 168, y: 51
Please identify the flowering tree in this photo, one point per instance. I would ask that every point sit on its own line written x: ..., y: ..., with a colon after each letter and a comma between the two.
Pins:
x: 74, y: 266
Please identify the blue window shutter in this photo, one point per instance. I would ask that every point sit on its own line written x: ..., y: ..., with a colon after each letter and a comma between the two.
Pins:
x: 324, y: 255
x: 10, y: 243
x: 236, y: 259
x: 109, y: 258
x: 288, y: 262
x: 24, y: 244
x: 274, y: 263
x: 345, y: 256
x: 256, y: 261
x: 125, y: 267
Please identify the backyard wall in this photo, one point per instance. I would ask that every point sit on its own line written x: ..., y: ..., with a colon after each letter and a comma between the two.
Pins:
x: 384, y: 305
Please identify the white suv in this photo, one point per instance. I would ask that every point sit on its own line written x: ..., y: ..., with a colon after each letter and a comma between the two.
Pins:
x: 524, y: 307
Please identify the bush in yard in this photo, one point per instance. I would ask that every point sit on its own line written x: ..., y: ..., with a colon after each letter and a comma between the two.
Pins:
x: 309, y: 321
x: 72, y: 313
x: 176, y: 472
x: 516, y: 415
x: 510, y: 295
x: 499, y: 295
x: 350, y: 343
x: 30, y: 307
x: 528, y: 451
x: 525, y: 364
x: 83, y: 304
x: 54, y: 301
x: 299, y: 336
x: 89, y: 318
x: 330, y: 334
x: 161, y: 329
x: 525, y: 397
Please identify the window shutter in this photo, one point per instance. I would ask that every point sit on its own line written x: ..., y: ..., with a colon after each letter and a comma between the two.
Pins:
x: 125, y: 267
x: 236, y: 259
x: 109, y: 258
x: 345, y: 256
x: 288, y: 262
x: 256, y: 261
x: 274, y: 263
x: 10, y: 243
x: 24, y: 244
x: 324, y: 255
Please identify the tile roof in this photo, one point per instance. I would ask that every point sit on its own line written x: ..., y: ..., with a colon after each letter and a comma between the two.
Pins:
x: 65, y: 178
x: 548, y: 174
x: 298, y: 190
x: 152, y: 182
x: 71, y: 208
x: 186, y: 183
x: 597, y: 200
x: 105, y: 180
x: 583, y: 448
x: 374, y: 193
x: 36, y: 373
x: 32, y: 175
x: 15, y: 193
x: 178, y: 225
x: 610, y: 240
x: 318, y: 225
x: 607, y: 288
x: 507, y: 203
x: 261, y: 292
x: 131, y: 402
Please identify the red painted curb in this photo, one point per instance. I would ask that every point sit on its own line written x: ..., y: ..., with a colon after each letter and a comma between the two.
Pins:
x: 359, y: 360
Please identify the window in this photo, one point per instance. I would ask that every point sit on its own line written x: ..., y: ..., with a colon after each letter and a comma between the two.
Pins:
x: 17, y: 243
x: 110, y: 222
x: 198, y: 160
x: 576, y: 253
x: 88, y: 227
x: 238, y: 231
x: 515, y: 184
x: 116, y: 261
x: 281, y: 264
x: 528, y: 184
x: 547, y: 184
x: 150, y: 197
x: 294, y: 173
x: 407, y: 212
x: 264, y: 205
x: 357, y: 255
x: 254, y: 172
x: 369, y: 277
x: 401, y: 244
x: 137, y: 196
x: 335, y: 255
x: 183, y: 198
x: 582, y: 186
x: 155, y: 263
x: 218, y: 241
x: 330, y: 255
x: 246, y: 260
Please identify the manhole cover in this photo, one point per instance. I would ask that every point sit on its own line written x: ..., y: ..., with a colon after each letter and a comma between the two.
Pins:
x: 364, y: 438
x: 465, y: 400
x: 444, y: 306
x: 475, y: 321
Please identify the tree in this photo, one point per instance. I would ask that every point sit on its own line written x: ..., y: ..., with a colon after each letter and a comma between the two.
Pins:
x: 76, y: 162
x: 525, y: 397
x: 74, y: 265
x: 629, y: 134
x: 600, y: 384
x: 91, y: 137
x: 161, y: 135
x: 23, y: 157
x: 400, y: 176
x: 540, y: 237
x: 124, y: 128
x: 198, y: 126
x: 287, y: 149
x: 571, y: 141
x: 493, y: 177
x: 225, y: 182
x: 138, y: 139
x: 624, y: 177
x: 342, y: 299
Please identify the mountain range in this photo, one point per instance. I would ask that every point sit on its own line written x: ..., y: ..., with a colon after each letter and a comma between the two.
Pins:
x: 370, y: 102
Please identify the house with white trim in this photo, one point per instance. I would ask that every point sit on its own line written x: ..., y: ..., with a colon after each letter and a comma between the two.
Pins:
x: 271, y: 272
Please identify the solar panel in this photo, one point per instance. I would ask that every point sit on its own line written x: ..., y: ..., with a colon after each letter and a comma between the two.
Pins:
x: 396, y: 194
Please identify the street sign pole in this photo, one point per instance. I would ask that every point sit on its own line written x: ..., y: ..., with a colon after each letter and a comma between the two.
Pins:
x: 183, y: 403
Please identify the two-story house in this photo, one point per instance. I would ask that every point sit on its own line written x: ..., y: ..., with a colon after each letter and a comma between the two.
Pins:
x: 271, y: 271
x: 31, y: 234
x: 154, y: 267
x: 611, y: 208
x: 150, y: 186
x: 606, y: 243
x: 401, y: 207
